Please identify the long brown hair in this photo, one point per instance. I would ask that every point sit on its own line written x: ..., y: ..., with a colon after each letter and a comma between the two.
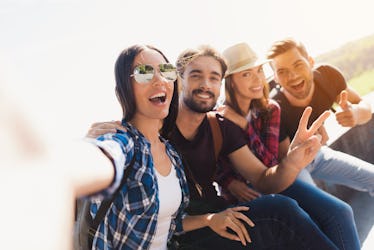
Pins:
x: 261, y: 105
x: 125, y: 91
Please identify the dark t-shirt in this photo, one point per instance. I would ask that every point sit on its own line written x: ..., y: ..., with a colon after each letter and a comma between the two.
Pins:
x: 198, y: 154
x: 329, y: 82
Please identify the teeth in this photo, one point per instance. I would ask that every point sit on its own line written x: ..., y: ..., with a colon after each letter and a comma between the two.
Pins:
x: 257, y: 88
x: 204, y: 96
x: 158, y: 95
x: 297, y: 83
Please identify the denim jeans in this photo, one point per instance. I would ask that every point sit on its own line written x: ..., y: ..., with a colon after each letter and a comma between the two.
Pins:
x: 279, y: 224
x: 333, y: 216
x: 340, y: 168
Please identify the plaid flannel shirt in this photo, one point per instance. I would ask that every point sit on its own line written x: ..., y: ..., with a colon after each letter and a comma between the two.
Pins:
x: 131, y: 220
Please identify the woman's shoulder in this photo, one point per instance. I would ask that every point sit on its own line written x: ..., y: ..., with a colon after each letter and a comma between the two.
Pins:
x: 273, y: 106
x: 125, y: 140
x: 129, y: 134
x: 170, y: 148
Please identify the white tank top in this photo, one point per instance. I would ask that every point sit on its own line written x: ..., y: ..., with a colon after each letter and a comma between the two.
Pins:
x: 170, y: 197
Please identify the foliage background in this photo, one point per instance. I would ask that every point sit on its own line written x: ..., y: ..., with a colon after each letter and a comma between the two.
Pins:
x: 356, y: 61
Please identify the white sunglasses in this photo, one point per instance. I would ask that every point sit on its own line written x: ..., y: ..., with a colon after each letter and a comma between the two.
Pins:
x: 144, y: 73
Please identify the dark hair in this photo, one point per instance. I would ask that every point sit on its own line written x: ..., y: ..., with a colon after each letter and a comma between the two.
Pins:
x: 282, y: 46
x: 190, y: 55
x: 125, y: 92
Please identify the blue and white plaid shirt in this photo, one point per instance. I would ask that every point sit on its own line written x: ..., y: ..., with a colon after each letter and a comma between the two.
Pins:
x: 131, y: 221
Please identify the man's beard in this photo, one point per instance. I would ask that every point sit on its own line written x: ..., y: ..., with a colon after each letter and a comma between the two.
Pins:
x: 195, y: 106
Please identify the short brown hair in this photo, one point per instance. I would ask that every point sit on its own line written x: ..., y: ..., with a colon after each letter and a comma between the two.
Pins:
x: 282, y: 46
x: 190, y: 55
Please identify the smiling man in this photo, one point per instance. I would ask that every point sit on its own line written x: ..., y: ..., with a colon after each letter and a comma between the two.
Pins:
x: 304, y: 84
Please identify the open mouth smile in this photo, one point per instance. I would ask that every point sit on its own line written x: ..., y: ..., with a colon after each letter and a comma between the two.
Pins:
x: 203, y: 94
x: 298, y: 86
x: 158, y: 98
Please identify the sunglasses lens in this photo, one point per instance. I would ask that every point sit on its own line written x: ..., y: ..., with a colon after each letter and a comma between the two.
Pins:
x: 168, y: 71
x: 143, y: 73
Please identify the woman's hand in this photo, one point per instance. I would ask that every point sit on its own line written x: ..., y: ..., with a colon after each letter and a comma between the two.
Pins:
x: 241, y: 191
x: 233, y: 219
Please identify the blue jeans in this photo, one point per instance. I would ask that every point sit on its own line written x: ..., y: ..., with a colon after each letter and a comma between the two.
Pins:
x: 333, y: 216
x: 340, y: 168
x: 279, y: 224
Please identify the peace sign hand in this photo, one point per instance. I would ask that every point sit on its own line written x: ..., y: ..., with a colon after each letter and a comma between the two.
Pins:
x: 305, y: 144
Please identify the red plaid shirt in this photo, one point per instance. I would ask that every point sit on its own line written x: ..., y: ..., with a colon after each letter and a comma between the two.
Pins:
x: 263, y: 142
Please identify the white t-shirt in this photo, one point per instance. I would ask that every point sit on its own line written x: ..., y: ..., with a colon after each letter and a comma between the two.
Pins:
x: 170, y: 197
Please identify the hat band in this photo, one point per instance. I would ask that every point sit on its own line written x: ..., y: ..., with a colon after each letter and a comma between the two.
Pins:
x: 243, y: 63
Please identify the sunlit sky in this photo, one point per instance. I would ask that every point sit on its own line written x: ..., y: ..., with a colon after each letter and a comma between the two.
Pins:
x: 57, y: 56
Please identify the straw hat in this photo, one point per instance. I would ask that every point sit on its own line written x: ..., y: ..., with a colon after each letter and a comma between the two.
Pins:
x: 240, y: 57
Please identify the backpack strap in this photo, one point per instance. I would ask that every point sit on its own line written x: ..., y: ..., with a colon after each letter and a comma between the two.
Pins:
x: 216, y: 132
x: 105, y: 204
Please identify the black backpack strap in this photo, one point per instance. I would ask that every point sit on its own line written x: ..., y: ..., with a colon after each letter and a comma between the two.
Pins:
x: 105, y: 204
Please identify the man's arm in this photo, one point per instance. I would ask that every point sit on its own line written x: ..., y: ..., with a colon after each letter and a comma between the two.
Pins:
x: 283, y: 148
x: 266, y: 180
x: 285, y: 144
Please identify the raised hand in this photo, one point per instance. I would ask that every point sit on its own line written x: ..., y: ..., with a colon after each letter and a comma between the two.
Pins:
x: 233, y: 219
x: 306, y: 144
x: 347, y: 116
x: 100, y: 128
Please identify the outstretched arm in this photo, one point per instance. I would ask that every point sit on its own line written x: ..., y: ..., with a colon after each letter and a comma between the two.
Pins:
x: 33, y: 171
x: 91, y: 169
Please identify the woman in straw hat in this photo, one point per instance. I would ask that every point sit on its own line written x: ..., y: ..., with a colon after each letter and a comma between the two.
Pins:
x: 247, y: 104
